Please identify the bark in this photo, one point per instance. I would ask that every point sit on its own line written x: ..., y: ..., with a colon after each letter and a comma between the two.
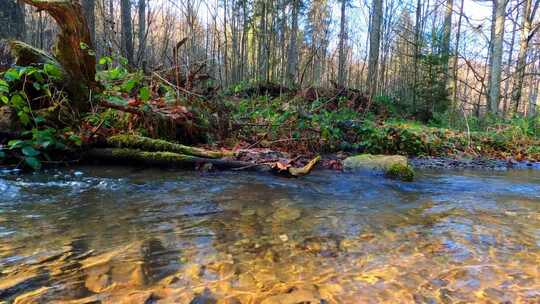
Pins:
x: 445, y: 48
x: 12, y: 19
x: 509, y: 66
x: 88, y: 7
x: 523, y: 49
x: 342, y: 53
x: 456, y: 57
x: 142, y: 31
x: 292, y: 53
x: 73, y: 49
x: 417, y: 45
x: 496, y: 53
x: 374, y: 46
x: 126, y: 30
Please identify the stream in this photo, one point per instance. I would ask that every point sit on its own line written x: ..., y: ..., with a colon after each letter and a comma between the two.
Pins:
x: 125, y: 235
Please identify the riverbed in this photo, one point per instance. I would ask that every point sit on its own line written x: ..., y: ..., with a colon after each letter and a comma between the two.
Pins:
x: 124, y: 235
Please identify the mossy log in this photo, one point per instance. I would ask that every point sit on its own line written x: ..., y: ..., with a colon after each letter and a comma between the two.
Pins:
x: 165, y: 159
x: 26, y: 54
x: 158, y: 145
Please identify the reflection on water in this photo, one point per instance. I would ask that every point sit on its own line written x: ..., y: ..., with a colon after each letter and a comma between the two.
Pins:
x: 141, y: 236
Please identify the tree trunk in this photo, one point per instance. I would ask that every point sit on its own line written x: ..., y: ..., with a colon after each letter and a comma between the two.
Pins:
x: 292, y: 54
x: 374, y: 45
x: 88, y: 7
x: 141, y: 56
x: 127, y: 30
x: 20, y: 21
x: 12, y: 19
x: 73, y: 49
x: 509, y: 66
x: 445, y: 48
x: 456, y: 57
x: 342, y: 53
x: 496, y: 53
x: 523, y: 48
x: 417, y: 49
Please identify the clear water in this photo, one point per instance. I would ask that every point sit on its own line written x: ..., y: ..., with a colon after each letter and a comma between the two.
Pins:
x: 106, y: 235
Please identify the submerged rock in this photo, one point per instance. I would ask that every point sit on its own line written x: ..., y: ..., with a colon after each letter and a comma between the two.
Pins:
x: 295, y: 296
x: 34, y: 296
x: 206, y: 297
x: 12, y: 285
x: 373, y: 162
x: 286, y: 214
x: 400, y: 172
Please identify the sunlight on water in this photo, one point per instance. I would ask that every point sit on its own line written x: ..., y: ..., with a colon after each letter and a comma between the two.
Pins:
x: 107, y: 235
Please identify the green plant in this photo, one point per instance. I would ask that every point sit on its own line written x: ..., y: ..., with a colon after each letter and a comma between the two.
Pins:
x: 400, y: 172
x: 23, y: 89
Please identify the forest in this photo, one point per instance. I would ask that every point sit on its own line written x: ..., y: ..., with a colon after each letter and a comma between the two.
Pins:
x: 418, y: 78
x: 269, y: 151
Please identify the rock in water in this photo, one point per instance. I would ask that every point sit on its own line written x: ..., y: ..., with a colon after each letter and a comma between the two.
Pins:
x: 373, y: 162
x: 286, y: 214
x: 394, y: 166
x: 296, y: 296
x: 400, y: 172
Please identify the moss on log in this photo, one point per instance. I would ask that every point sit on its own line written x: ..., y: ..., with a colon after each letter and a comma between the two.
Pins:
x: 158, y: 145
x: 26, y: 54
x: 166, y: 159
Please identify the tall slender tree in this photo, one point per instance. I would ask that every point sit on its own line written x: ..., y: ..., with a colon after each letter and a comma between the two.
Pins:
x: 445, y: 48
x: 496, y: 52
x: 342, y: 71
x: 526, y: 24
x: 374, y: 46
x: 292, y: 53
x: 126, y: 30
x: 88, y: 7
x: 142, y: 32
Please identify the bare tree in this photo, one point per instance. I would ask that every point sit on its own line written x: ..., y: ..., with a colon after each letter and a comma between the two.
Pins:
x: 292, y: 53
x: 142, y: 31
x: 526, y: 24
x: 374, y: 45
x: 342, y: 73
x: 496, y: 52
x: 127, y: 30
x: 88, y: 7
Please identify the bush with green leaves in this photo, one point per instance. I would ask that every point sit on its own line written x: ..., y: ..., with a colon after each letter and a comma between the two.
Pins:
x: 27, y: 90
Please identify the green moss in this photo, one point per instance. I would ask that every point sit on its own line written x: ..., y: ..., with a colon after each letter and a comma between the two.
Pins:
x: 144, y: 156
x: 159, y: 145
x: 400, y: 172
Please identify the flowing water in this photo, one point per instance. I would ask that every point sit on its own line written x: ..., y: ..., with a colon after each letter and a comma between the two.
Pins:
x: 119, y: 235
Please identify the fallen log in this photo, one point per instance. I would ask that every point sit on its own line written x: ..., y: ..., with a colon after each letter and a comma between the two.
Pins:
x: 158, y: 145
x: 166, y: 159
x: 297, y: 172
x: 172, y: 159
x: 286, y: 170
